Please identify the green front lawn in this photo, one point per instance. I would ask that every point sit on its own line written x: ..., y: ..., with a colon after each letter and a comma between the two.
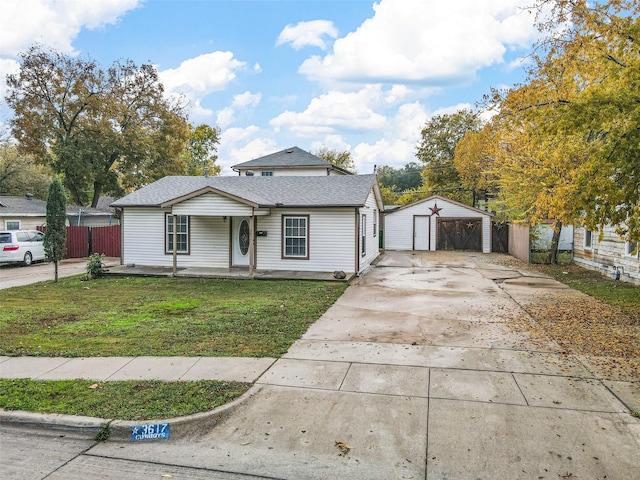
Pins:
x: 150, y: 316
x: 160, y: 316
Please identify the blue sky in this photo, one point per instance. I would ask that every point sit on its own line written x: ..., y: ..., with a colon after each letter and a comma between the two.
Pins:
x: 352, y: 75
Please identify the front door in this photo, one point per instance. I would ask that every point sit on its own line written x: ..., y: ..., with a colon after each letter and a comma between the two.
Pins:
x: 421, y: 232
x: 240, y: 242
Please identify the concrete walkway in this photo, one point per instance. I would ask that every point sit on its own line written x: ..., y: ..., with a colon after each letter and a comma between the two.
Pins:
x: 412, y: 373
x: 108, y: 369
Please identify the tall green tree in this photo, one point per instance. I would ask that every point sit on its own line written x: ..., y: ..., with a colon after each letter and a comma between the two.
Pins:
x: 436, y: 150
x: 400, y: 179
x: 19, y: 174
x: 103, y: 129
x: 569, y: 137
x: 341, y: 159
x: 201, y: 150
x: 55, y: 235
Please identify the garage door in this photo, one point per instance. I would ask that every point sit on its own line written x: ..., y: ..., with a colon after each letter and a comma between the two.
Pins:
x: 460, y: 234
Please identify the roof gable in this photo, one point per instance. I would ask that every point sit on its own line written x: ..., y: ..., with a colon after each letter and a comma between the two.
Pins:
x: 444, y: 199
x: 293, y: 157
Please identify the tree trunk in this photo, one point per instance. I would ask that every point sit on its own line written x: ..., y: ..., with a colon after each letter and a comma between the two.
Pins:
x: 97, y: 190
x: 55, y: 269
x: 552, y: 254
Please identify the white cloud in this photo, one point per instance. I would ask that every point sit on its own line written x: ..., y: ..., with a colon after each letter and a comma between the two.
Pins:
x: 397, y: 146
x: 332, y: 142
x: 308, y: 34
x: 239, y: 145
x: 55, y: 24
x: 426, y: 42
x: 334, y: 112
x: 199, y: 76
x: 227, y: 115
x: 7, y: 67
x: 247, y: 99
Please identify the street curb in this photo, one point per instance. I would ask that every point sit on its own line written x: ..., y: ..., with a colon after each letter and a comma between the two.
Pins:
x: 120, y: 430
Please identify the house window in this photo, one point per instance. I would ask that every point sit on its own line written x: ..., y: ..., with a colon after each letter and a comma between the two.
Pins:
x: 182, y: 232
x: 588, y: 239
x: 375, y: 222
x: 631, y: 249
x: 267, y: 174
x: 363, y: 234
x: 295, y: 237
x: 12, y: 225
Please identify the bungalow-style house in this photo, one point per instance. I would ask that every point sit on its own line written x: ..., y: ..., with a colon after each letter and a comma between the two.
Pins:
x: 28, y: 213
x: 609, y: 255
x: 291, y: 161
x: 289, y: 223
x: 437, y: 223
x: 22, y: 213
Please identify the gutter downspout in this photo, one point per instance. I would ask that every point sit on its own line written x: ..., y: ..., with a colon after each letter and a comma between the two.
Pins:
x: 175, y: 244
x: 252, y: 240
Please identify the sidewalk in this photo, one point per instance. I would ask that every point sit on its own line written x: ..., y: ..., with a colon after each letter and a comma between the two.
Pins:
x: 109, y: 369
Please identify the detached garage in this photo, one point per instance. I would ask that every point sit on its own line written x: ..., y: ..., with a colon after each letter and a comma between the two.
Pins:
x: 437, y: 223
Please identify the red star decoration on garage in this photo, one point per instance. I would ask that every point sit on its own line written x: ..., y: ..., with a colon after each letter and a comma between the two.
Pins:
x: 435, y: 209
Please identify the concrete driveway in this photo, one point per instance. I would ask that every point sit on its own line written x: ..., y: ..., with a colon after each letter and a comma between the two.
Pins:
x: 15, y: 276
x: 415, y: 371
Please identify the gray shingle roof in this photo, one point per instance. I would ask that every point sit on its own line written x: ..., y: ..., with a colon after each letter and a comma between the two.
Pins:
x: 22, y: 206
x: 286, y: 191
x: 289, y: 157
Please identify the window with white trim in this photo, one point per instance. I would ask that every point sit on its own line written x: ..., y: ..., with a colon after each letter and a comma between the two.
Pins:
x: 363, y: 234
x: 588, y: 238
x: 375, y: 222
x: 12, y: 224
x: 295, y: 237
x: 182, y: 224
x: 267, y: 174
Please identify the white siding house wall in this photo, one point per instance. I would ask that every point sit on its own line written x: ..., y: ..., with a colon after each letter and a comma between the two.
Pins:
x: 143, y: 236
x: 331, y: 241
x: 398, y: 224
x: 398, y: 229
x: 290, y: 172
x: 372, y: 250
x: 143, y: 240
x: 212, y: 204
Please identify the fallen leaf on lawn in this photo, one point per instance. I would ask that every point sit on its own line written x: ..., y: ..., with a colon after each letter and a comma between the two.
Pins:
x: 94, y: 386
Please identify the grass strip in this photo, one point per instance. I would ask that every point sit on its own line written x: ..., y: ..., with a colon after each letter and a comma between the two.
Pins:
x: 128, y: 400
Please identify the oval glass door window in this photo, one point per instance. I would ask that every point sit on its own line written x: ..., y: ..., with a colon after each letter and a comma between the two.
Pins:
x: 243, y: 237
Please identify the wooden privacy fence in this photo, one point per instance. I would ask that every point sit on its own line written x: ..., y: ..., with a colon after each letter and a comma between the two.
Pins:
x: 83, y: 241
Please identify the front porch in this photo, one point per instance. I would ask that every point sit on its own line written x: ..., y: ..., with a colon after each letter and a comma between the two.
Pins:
x: 205, y: 272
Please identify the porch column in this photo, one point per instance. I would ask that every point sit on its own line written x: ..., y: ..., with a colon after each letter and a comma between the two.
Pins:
x: 175, y: 244
x: 251, y: 245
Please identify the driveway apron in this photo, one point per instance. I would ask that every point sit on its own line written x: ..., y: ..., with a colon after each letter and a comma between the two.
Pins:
x: 414, y: 373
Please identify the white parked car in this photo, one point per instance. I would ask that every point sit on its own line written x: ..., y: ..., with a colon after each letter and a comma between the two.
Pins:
x: 21, y: 246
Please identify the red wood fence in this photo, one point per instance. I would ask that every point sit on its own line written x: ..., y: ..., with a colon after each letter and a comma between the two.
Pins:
x: 106, y: 240
x: 83, y: 241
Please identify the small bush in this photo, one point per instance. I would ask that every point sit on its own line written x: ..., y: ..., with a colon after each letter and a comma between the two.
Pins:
x: 94, y: 265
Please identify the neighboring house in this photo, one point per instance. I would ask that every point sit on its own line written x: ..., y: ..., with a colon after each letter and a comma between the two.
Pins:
x: 543, y: 235
x: 100, y: 216
x: 28, y: 213
x: 292, y: 162
x: 437, y: 223
x: 22, y: 213
x: 604, y: 254
x: 302, y: 223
